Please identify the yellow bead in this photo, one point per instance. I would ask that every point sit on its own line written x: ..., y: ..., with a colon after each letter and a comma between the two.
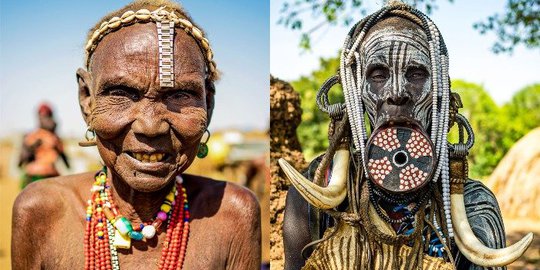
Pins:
x: 121, y: 241
x: 100, y: 224
x: 89, y: 212
x: 170, y: 197
x: 99, y: 209
x: 165, y: 208
x: 100, y: 233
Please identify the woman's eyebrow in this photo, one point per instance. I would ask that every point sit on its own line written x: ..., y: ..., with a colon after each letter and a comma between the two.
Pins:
x: 416, y: 64
x: 115, y: 81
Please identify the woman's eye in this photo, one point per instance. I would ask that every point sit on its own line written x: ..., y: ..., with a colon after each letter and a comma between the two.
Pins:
x: 124, y: 92
x: 416, y: 74
x: 179, y: 95
x: 378, y: 75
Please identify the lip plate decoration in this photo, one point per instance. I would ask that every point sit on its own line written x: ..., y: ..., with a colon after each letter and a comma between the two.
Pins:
x: 400, y: 159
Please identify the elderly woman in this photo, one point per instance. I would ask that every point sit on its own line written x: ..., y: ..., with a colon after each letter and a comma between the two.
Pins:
x: 147, y: 95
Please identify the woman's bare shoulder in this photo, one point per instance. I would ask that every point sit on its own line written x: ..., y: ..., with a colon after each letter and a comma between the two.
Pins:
x: 45, y: 198
x: 234, y: 200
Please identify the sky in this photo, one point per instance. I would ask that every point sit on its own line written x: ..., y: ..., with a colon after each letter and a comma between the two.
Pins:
x: 42, y: 45
x: 470, y: 55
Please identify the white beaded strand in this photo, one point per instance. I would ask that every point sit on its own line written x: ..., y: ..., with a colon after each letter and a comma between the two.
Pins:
x: 114, y: 254
x: 353, y: 96
x: 362, y: 131
x: 446, y: 173
x: 352, y: 108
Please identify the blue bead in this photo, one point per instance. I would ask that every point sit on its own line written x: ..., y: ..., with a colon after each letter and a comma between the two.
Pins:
x: 141, y: 226
x: 88, y: 218
x: 135, y: 235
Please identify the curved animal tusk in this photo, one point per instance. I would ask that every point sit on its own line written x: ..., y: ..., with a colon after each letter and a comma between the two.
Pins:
x: 322, y: 197
x: 473, y: 249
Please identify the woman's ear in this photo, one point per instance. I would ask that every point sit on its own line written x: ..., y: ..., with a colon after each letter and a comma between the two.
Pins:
x: 85, y: 100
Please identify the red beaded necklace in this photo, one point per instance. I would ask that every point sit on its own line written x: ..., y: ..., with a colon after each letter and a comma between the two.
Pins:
x: 106, y: 230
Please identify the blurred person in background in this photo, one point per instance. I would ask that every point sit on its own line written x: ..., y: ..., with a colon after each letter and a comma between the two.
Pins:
x: 41, y: 149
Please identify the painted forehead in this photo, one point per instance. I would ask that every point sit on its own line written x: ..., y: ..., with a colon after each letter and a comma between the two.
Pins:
x: 388, y: 44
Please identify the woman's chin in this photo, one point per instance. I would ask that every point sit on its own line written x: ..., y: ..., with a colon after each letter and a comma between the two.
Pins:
x: 147, y: 183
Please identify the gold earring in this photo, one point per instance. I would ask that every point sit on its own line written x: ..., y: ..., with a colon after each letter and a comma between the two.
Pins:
x: 90, y: 137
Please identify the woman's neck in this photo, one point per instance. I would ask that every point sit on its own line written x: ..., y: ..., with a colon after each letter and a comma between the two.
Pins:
x: 138, y: 207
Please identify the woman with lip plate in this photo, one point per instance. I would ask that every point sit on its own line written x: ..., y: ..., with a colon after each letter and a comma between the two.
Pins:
x: 147, y: 95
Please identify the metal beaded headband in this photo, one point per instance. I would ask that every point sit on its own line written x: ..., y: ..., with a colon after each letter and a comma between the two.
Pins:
x: 352, y: 88
x: 166, y: 22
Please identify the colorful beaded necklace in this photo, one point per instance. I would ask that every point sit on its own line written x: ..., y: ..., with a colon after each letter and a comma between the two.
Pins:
x: 106, y: 230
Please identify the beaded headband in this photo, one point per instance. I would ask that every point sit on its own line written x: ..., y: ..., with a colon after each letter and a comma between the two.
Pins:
x: 166, y: 22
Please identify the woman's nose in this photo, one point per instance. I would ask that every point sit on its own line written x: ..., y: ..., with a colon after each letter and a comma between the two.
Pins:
x: 150, y: 124
x: 398, y: 98
x: 150, y: 127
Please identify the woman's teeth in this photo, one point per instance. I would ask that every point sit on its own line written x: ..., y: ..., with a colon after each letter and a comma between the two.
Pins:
x: 143, y: 157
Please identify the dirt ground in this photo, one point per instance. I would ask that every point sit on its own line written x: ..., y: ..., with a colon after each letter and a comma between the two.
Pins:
x: 9, y: 189
x: 515, y: 230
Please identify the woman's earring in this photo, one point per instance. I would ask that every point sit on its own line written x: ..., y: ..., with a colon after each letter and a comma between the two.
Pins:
x: 90, y: 137
x: 203, y: 147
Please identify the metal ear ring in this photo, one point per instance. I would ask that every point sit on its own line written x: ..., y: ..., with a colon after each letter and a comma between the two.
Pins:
x: 455, y: 105
x: 202, y: 152
x: 90, y: 137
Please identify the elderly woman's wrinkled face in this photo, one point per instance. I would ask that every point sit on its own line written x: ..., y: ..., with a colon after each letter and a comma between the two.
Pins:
x: 146, y: 134
x: 397, y: 81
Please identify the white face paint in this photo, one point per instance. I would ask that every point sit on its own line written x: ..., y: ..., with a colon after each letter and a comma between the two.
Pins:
x: 396, y: 79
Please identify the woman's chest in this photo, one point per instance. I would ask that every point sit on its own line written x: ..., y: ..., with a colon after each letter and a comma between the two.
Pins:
x: 208, y: 245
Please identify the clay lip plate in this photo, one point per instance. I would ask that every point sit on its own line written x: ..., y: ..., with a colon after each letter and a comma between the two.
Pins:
x: 404, y: 130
